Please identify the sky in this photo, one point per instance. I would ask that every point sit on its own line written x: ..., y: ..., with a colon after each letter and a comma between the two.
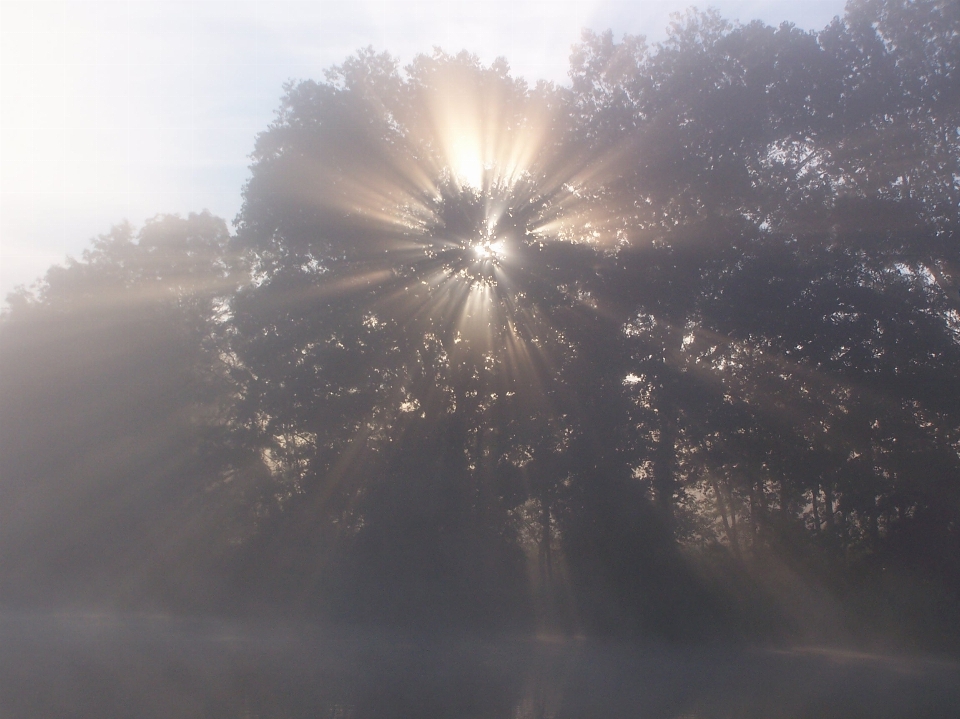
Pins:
x: 124, y: 109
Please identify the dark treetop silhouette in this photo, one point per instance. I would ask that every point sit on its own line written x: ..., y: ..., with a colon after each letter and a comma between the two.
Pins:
x: 673, y: 351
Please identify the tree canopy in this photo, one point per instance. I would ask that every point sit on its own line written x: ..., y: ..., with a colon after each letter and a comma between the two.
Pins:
x: 657, y: 352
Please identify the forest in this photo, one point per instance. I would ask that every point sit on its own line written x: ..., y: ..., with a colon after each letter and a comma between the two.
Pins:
x: 669, y: 352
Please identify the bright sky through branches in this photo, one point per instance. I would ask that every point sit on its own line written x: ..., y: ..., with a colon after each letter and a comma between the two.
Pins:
x: 122, y: 110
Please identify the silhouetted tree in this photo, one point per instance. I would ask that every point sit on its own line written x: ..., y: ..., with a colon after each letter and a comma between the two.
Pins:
x: 115, y: 404
x: 589, y: 357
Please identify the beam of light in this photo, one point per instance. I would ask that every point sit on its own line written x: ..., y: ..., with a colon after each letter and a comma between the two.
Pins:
x: 438, y: 227
x: 488, y: 132
x: 473, y: 178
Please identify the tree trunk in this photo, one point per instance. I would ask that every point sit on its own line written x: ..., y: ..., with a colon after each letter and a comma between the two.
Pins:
x: 815, y: 497
x: 828, y: 509
x: 546, y: 556
x: 727, y: 527
x: 663, y: 466
x: 734, y: 529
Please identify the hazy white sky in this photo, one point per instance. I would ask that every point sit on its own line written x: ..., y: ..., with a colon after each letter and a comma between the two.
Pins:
x: 123, y: 109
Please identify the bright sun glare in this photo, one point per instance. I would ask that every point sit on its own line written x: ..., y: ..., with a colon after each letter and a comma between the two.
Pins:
x: 491, y: 251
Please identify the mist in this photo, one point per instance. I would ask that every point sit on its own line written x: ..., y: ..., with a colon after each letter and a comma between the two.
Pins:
x: 634, y: 396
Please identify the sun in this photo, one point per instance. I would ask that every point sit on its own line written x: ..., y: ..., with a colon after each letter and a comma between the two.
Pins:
x: 490, y: 251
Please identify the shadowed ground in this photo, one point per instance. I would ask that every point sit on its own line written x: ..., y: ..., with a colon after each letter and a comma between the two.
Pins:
x: 135, y: 666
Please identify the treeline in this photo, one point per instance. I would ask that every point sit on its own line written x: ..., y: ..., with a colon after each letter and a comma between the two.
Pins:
x: 673, y: 351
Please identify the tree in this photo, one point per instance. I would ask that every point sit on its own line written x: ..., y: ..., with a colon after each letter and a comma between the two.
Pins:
x: 582, y: 358
x: 115, y: 402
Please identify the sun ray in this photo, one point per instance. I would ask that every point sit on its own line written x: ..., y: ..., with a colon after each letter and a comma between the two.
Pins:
x: 440, y: 229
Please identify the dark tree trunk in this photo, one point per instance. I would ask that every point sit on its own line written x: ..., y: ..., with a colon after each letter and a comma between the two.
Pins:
x: 664, y: 465
x: 828, y: 510
x: 815, y: 498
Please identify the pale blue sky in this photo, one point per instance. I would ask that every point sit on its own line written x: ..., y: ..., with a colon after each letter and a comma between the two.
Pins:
x: 123, y: 109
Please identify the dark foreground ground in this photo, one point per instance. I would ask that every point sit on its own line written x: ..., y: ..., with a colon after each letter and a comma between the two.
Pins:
x: 134, y: 666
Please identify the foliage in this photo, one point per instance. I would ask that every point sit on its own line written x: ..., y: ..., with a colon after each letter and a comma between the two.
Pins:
x: 655, y: 352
